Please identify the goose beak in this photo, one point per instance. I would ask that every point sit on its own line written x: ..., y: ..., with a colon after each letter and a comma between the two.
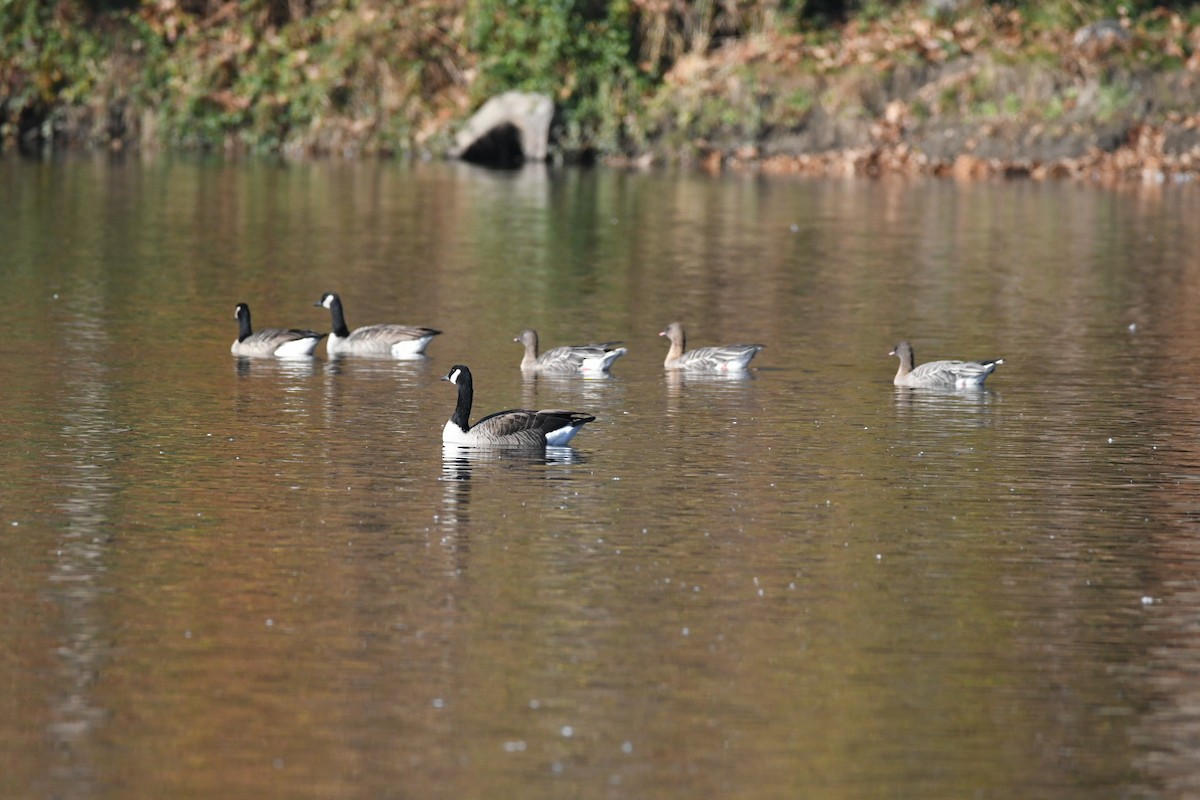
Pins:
x: 662, y: 333
x: 891, y: 352
x: 445, y: 377
x: 318, y: 304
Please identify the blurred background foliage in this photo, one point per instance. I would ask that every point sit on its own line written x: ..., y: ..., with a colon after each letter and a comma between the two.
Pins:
x: 372, y: 76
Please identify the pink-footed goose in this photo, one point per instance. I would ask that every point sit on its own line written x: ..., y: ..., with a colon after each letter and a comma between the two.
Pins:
x: 569, y: 359
x: 940, y: 374
x: 728, y: 358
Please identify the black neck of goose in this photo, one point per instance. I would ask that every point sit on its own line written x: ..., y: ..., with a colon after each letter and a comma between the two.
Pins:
x: 466, y: 395
x: 339, y: 319
x: 244, y: 330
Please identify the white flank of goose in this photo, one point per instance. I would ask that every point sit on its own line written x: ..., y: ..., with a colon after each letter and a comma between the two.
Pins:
x: 940, y: 374
x: 729, y: 358
x: 515, y: 428
x: 568, y: 359
x: 277, y: 342
x: 384, y: 339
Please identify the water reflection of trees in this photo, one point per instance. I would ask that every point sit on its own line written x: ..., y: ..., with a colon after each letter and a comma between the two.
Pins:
x: 79, y: 577
x: 1164, y: 360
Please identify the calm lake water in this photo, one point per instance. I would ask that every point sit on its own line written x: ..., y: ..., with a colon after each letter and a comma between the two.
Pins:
x: 263, y: 579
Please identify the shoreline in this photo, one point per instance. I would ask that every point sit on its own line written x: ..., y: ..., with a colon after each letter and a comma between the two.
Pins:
x: 977, y: 92
x: 1141, y: 160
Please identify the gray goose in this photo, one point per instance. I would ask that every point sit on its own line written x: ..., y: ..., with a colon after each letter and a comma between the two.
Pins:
x: 384, y: 339
x: 728, y: 358
x: 940, y: 374
x: 568, y: 359
x: 514, y: 428
x: 278, y: 342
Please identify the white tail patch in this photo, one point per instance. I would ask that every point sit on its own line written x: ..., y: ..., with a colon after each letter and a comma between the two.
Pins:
x: 297, y: 347
x: 410, y: 347
x: 560, y: 437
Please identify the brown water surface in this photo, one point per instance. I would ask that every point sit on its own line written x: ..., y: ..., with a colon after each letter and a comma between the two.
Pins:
x: 267, y: 579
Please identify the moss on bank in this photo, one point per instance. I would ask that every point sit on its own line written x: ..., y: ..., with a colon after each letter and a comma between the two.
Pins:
x: 935, y: 86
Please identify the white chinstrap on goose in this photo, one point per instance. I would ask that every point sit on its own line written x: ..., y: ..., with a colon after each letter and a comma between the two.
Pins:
x: 514, y: 428
x: 940, y: 374
x: 384, y: 339
x: 276, y: 342
x: 569, y: 359
x: 727, y: 358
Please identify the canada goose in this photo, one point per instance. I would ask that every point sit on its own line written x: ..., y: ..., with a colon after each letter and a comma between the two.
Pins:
x: 278, y: 342
x: 706, y: 359
x: 398, y: 341
x: 515, y: 428
x: 940, y: 374
x: 568, y: 359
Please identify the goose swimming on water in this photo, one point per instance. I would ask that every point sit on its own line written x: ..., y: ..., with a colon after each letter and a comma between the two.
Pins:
x: 727, y: 358
x: 568, y: 359
x: 940, y: 374
x: 514, y: 428
x: 277, y: 342
x: 384, y: 339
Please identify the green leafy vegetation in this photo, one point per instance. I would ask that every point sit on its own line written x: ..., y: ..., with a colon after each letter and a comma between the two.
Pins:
x: 580, y: 53
x: 679, y: 78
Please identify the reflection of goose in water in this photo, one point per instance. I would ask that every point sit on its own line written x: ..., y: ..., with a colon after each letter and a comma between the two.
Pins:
x: 268, y: 386
x: 730, y: 357
x: 706, y: 387
x: 456, y: 494
x: 940, y: 374
x: 677, y: 379
x: 284, y: 367
x: 383, y: 339
x: 944, y: 411
x: 519, y: 428
x: 587, y: 390
x: 588, y: 359
x: 276, y: 342
x: 458, y: 460
x: 385, y: 368
x: 460, y: 464
x: 919, y: 397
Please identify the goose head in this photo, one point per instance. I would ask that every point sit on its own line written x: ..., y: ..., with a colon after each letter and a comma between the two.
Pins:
x: 904, y: 351
x: 458, y: 373
x: 674, y: 333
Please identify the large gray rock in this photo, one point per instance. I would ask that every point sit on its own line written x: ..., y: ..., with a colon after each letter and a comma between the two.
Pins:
x: 513, y: 121
x: 1100, y: 37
